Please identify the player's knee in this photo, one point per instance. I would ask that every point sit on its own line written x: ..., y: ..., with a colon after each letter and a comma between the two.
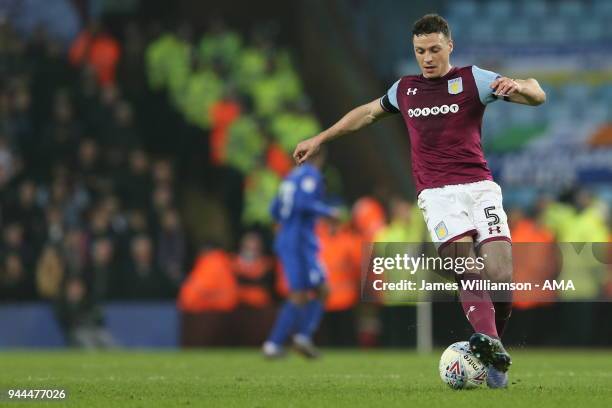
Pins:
x: 500, y: 270
x: 498, y: 261
x: 462, y: 248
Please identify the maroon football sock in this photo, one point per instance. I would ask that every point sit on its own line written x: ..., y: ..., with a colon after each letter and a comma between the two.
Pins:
x: 503, y: 309
x: 477, y: 306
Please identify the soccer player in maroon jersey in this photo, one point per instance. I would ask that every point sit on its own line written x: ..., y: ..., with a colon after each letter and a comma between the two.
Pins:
x: 462, y: 206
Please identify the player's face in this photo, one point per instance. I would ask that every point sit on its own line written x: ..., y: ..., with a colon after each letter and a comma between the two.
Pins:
x: 432, y: 52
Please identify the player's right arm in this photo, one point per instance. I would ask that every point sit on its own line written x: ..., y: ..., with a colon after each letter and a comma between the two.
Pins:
x: 309, y: 198
x: 356, y: 119
x: 301, y: 196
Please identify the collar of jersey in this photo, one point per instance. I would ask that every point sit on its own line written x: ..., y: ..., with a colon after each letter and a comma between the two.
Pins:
x: 452, y: 71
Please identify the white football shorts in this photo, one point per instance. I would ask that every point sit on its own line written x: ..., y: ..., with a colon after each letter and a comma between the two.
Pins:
x: 455, y: 211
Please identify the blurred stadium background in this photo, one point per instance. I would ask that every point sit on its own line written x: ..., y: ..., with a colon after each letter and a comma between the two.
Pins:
x: 142, y: 141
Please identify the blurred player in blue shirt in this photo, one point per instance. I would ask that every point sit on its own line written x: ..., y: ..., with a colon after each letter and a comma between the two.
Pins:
x: 296, y: 208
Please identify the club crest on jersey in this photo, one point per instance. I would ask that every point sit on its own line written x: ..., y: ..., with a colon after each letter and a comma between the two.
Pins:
x: 455, y: 86
x: 441, y: 230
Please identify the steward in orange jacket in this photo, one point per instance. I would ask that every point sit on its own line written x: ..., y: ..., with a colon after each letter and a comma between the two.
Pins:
x: 340, y: 255
x: 211, y: 285
x: 253, y: 272
x: 535, y: 259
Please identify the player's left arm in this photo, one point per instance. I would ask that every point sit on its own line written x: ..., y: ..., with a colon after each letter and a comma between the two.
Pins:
x: 523, y: 91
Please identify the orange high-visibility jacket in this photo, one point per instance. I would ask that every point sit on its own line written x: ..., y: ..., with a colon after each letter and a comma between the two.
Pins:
x: 211, y: 285
x: 534, y: 255
x: 254, y: 293
x: 340, y: 255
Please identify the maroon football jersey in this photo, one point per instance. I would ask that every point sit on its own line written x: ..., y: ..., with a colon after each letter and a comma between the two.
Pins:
x: 444, y: 118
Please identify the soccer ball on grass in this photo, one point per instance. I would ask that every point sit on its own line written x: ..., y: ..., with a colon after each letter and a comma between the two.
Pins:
x: 460, y: 369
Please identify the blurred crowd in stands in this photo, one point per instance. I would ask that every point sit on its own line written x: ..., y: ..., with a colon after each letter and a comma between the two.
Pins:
x: 89, y: 213
x: 247, y: 95
x: 86, y: 213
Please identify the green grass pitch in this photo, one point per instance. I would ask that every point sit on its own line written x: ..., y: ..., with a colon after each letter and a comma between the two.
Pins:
x: 241, y: 378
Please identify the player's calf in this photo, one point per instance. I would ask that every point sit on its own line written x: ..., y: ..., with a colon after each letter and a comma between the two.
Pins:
x: 290, y: 315
x: 497, y: 258
x: 313, y: 312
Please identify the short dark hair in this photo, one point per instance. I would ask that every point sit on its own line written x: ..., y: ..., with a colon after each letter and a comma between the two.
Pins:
x: 431, y: 23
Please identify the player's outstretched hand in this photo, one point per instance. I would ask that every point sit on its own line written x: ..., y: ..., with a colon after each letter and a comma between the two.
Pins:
x: 305, y: 149
x: 504, y: 86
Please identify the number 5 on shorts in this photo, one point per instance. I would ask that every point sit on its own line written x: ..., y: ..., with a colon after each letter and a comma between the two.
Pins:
x: 491, y: 217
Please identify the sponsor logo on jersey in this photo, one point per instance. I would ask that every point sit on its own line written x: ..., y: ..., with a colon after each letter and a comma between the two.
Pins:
x: 433, y: 111
x: 441, y: 230
x: 455, y: 86
x: 412, y: 91
x: 494, y: 229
